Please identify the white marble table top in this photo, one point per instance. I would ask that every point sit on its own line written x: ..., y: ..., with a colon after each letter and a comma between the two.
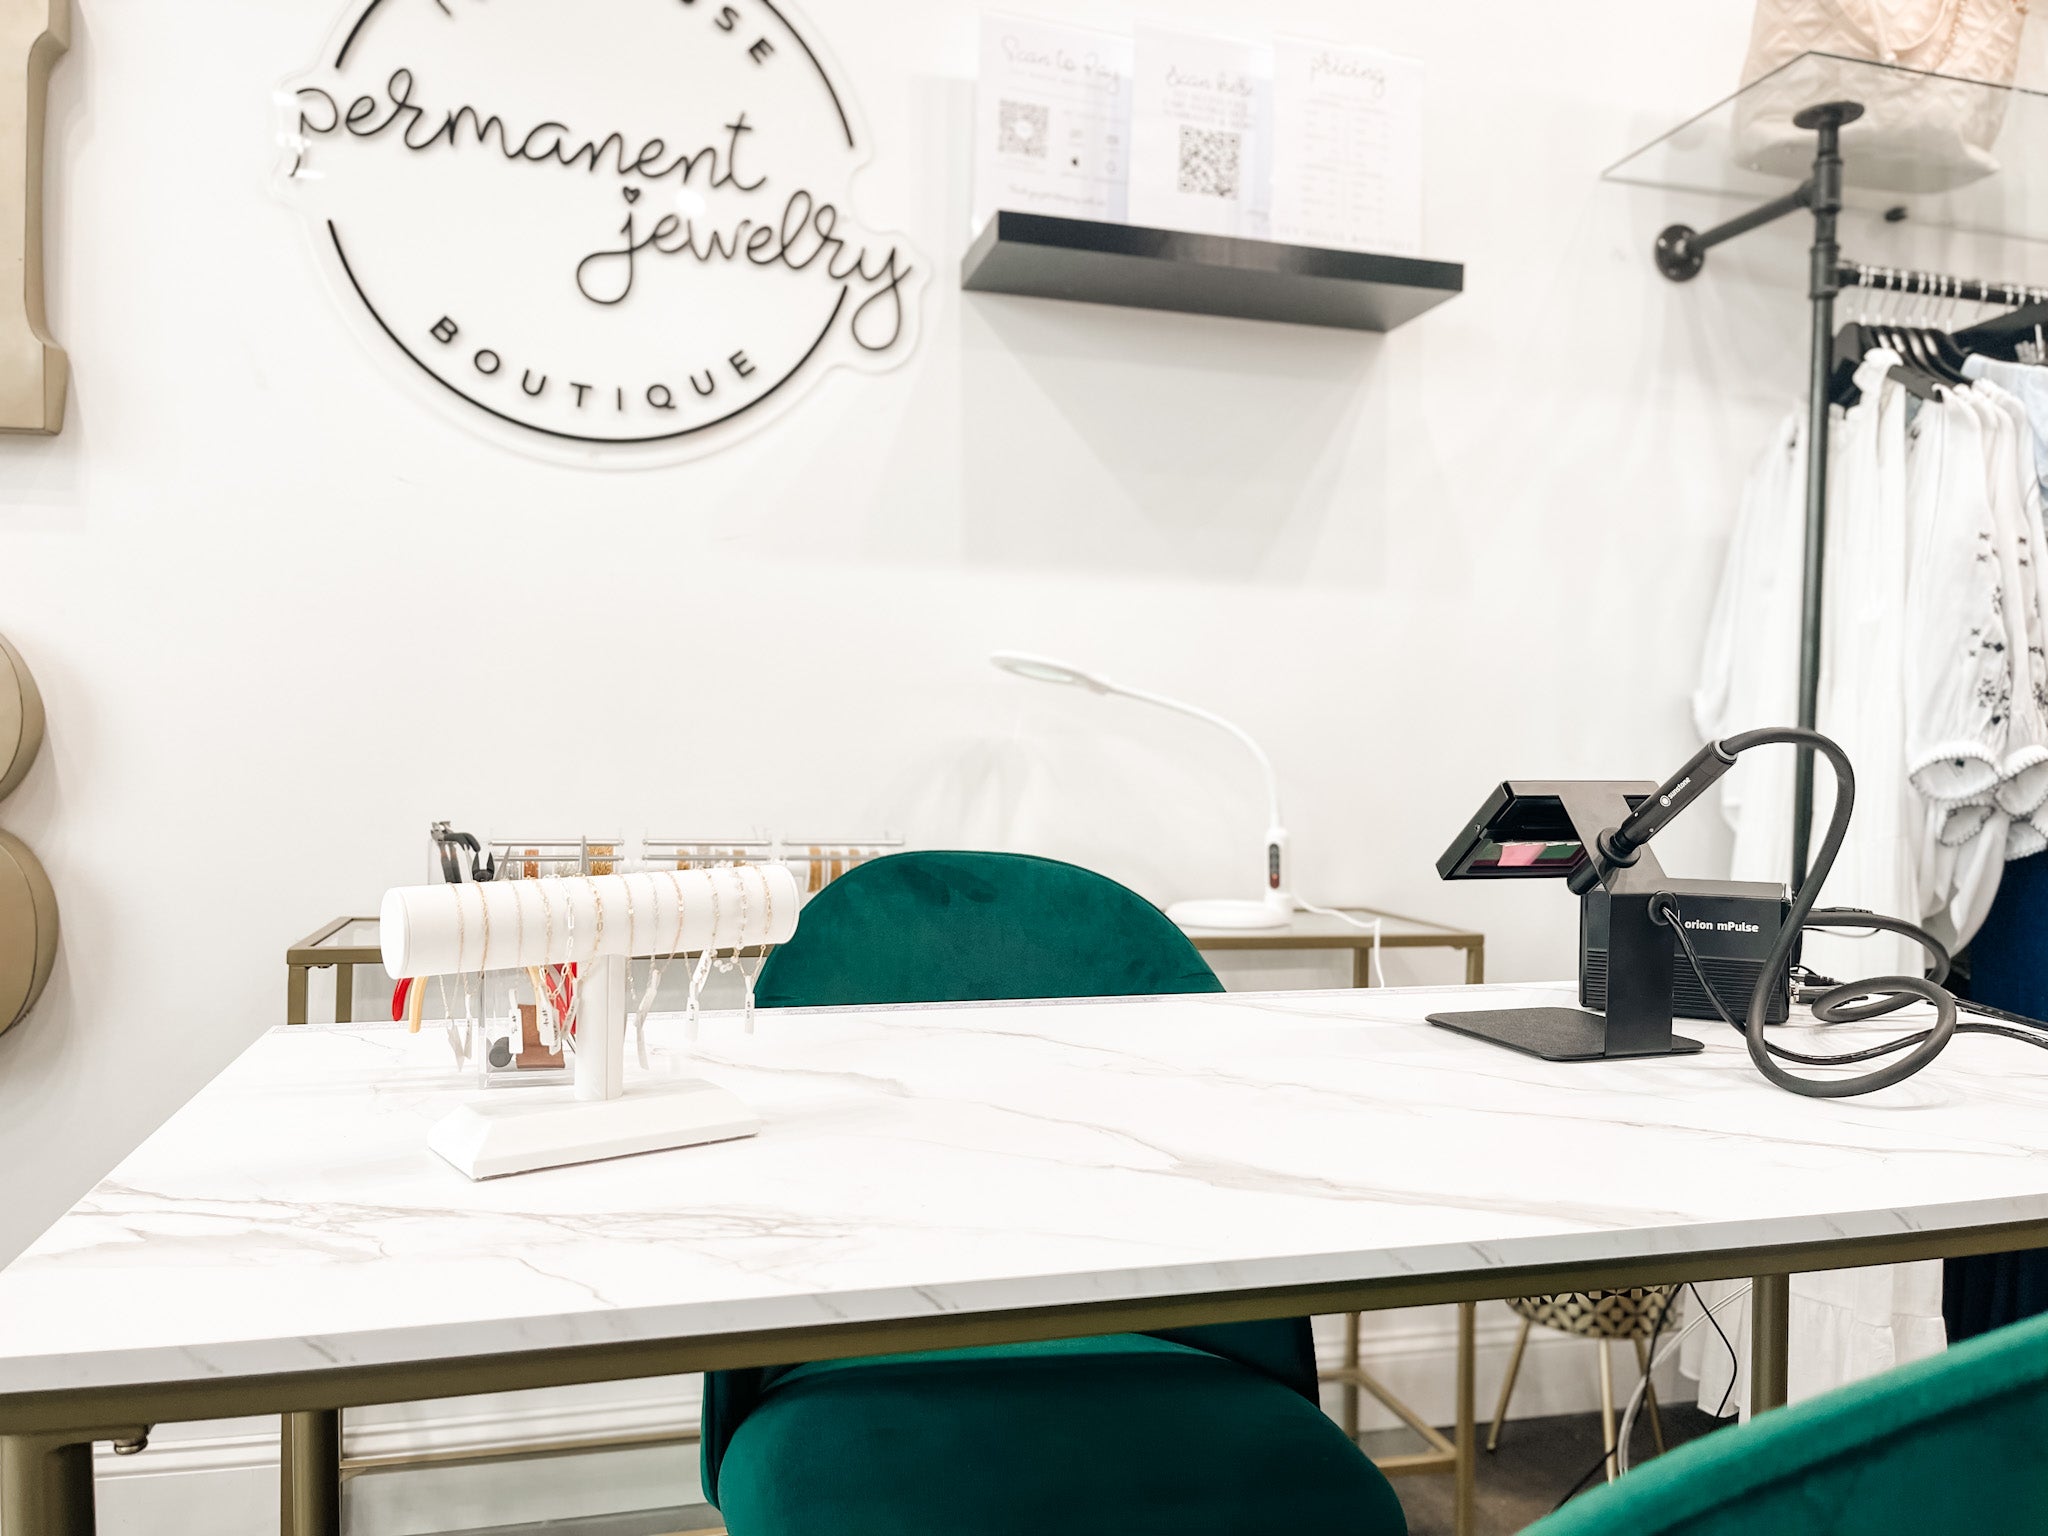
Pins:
x: 973, y: 1159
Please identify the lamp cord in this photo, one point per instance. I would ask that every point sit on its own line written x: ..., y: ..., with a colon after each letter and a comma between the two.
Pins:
x: 1377, y: 928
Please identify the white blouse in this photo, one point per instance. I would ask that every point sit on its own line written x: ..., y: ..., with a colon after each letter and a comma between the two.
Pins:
x: 1862, y: 703
x: 1934, y: 658
x: 1958, y: 666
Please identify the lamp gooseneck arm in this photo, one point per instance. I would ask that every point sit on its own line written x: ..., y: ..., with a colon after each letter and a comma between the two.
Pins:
x: 1278, y: 904
x: 1258, y: 752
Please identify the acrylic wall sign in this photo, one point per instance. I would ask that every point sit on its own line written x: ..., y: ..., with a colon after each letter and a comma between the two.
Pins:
x: 33, y: 370
x: 610, y: 228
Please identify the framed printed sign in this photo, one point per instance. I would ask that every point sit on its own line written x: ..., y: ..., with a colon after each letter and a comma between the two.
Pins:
x: 613, y: 229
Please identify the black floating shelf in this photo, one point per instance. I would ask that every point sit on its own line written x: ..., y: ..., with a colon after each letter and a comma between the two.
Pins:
x: 1052, y: 258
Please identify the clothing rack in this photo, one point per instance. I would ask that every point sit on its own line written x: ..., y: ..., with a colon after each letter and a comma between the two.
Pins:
x: 1681, y: 252
x: 1912, y: 283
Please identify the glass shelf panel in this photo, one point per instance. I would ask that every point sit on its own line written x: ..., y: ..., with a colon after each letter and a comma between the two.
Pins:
x: 358, y: 933
x: 1953, y: 153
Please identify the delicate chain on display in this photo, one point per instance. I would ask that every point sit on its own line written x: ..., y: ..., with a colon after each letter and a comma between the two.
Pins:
x: 705, y: 957
x: 483, y: 970
x: 515, y: 1031
x: 543, y: 1002
x: 632, y: 948
x: 457, y: 1041
x: 565, y: 1029
x: 743, y: 903
x: 767, y: 938
x: 658, y: 964
x: 731, y: 962
x: 597, y: 901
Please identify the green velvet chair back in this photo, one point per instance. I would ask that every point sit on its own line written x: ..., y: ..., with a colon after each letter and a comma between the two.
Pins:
x: 987, y: 927
x: 1955, y: 1445
x: 977, y: 927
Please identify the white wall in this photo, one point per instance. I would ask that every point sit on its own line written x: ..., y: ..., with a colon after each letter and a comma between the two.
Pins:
x: 1484, y: 544
x: 231, y: 573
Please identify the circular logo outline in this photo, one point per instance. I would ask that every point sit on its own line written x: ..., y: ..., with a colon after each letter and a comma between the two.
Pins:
x: 803, y: 365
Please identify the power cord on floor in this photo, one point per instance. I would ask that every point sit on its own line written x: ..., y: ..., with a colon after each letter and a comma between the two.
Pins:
x: 1641, y: 1393
x: 1734, y: 1360
x: 1376, y: 927
x: 1619, y: 1455
x: 1612, y: 1453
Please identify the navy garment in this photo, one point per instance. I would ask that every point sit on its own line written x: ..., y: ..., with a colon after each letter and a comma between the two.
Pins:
x: 2008, y: 969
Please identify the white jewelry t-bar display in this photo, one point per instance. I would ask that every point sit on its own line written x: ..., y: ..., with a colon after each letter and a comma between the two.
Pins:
x: 599, y: 924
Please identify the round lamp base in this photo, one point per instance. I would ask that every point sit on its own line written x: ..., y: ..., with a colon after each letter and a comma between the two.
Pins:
x: 1228, y: 914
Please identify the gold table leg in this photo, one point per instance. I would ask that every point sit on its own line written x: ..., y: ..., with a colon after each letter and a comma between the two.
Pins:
x: 1350, y: 1388
x: 295, y: 994
x: 1770, y: 1341
x: 309, y: 1474
x: 45, y: 1487
x: 1467, y: 1434
x: 46, y: 1480
x: 344, y: 993
x: 1507, y: 1386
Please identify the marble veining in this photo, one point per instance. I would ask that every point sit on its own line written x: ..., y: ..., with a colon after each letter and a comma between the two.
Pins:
x: 932, y: 1160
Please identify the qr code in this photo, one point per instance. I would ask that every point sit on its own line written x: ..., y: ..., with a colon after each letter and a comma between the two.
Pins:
x: 1209, y: 161
x: 1026, y: 126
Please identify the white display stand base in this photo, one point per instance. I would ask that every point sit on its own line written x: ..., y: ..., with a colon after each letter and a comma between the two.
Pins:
x: 425, y: 932
x: 517, y: 1132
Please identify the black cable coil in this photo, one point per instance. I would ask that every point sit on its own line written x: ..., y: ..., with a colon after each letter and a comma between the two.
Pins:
x: 1843, y: 1002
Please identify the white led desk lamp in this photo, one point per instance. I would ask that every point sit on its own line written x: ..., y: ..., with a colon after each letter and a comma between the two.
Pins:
x: 1277, y: 907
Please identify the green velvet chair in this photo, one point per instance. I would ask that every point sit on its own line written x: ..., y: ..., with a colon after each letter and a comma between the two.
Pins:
x: 1955, y: 1445
x: 1212, y: 1431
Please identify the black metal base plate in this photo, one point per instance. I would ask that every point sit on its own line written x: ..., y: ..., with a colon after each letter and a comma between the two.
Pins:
x: 1677, y: 257
x: 1555, y: 1034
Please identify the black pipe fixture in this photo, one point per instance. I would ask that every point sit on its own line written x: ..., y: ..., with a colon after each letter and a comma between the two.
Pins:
x: 1681, y: 252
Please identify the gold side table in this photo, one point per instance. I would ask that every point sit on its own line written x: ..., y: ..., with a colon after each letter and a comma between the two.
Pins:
x: 1309, y: 930
x: 345, y: 943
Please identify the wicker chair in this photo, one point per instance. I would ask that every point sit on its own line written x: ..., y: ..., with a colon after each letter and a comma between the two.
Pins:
x: 1605, y: 1316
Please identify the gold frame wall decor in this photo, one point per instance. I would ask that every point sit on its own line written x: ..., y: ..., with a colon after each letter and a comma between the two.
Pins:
x: 28, y: 930
x: 21, y: 719
x: 28, y: 903
x: 34, y: 372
